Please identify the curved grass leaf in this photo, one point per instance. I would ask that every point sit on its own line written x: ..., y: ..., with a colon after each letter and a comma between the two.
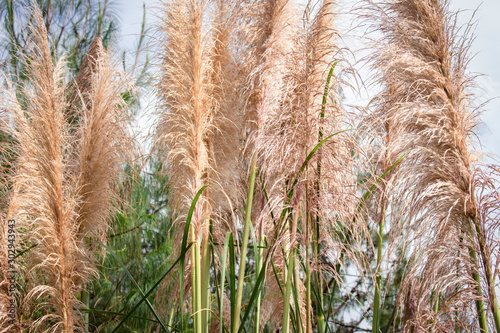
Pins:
x: 183, y: 248
x: 370, y: 190
x: 306, y: 162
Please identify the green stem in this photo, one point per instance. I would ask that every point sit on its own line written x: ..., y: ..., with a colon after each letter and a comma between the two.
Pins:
x: 171, y: 318
x: 298, y: 300
x: 196, y: 283
x: 308, y: 278
x: 205, y: 285
x: 320, y: 318
x: 483, y: 322
x: 288, y: 287
x: 258, y: 267
x: 435, y: 296
x: 193, y: 277
x: 86, y: 301
x: 227, y: 239
x: 490, y: 279
x: 246, y: 231
x: 376, y: 303
x: 198, y: 313
x: 290, y: 272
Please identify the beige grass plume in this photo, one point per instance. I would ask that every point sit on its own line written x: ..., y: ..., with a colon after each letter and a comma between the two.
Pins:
x: 197, y: 133
x: 293, y: 118
x: 65, y: 177
x: 45, y: 203
x: 268, y: 31
x: 302, y: 118
x: 425, y: 98
x: 226, y: 83
x: 102, y: 142
x: 185, y: 129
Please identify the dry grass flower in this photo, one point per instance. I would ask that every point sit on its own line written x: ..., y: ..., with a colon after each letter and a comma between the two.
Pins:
x: 65, y: 174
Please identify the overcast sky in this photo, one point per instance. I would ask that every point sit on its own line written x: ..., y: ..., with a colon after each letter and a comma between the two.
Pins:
x: 486, y: 51
x: 485, y: 48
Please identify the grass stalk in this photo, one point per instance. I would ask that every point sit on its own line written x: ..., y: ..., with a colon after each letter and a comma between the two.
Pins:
x: 86, y: 316
x: 232, y: 278
x: 258, y: 267
x: 227, y: 239
x: 290, y: 272
x: 490, y: 279
x: 308, y: 278
x: 171, y: 318
x: 205, y: 285
x: 298, y: 299
x: 195, y: 283
x: 320, y: 318
x: 246, y: 231
x: 188, y: 230
x: 435, y: 296
x: 376, y: 301
x: 288, y: 287
x: 193, y: 278
x: 197, y: 303
x: 483, y: 322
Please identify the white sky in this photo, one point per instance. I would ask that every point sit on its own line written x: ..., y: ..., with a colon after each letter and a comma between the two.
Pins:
x: 485, y: 48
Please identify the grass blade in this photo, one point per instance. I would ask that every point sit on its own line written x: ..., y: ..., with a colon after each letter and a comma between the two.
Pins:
x: 227, y: 239
x: 246, y: 230
x: 232, y: 277
x: 183, y: 247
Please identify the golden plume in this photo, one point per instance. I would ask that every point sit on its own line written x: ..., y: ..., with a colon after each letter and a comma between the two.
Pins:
x: 426, y: 100
x: 65, y: 174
